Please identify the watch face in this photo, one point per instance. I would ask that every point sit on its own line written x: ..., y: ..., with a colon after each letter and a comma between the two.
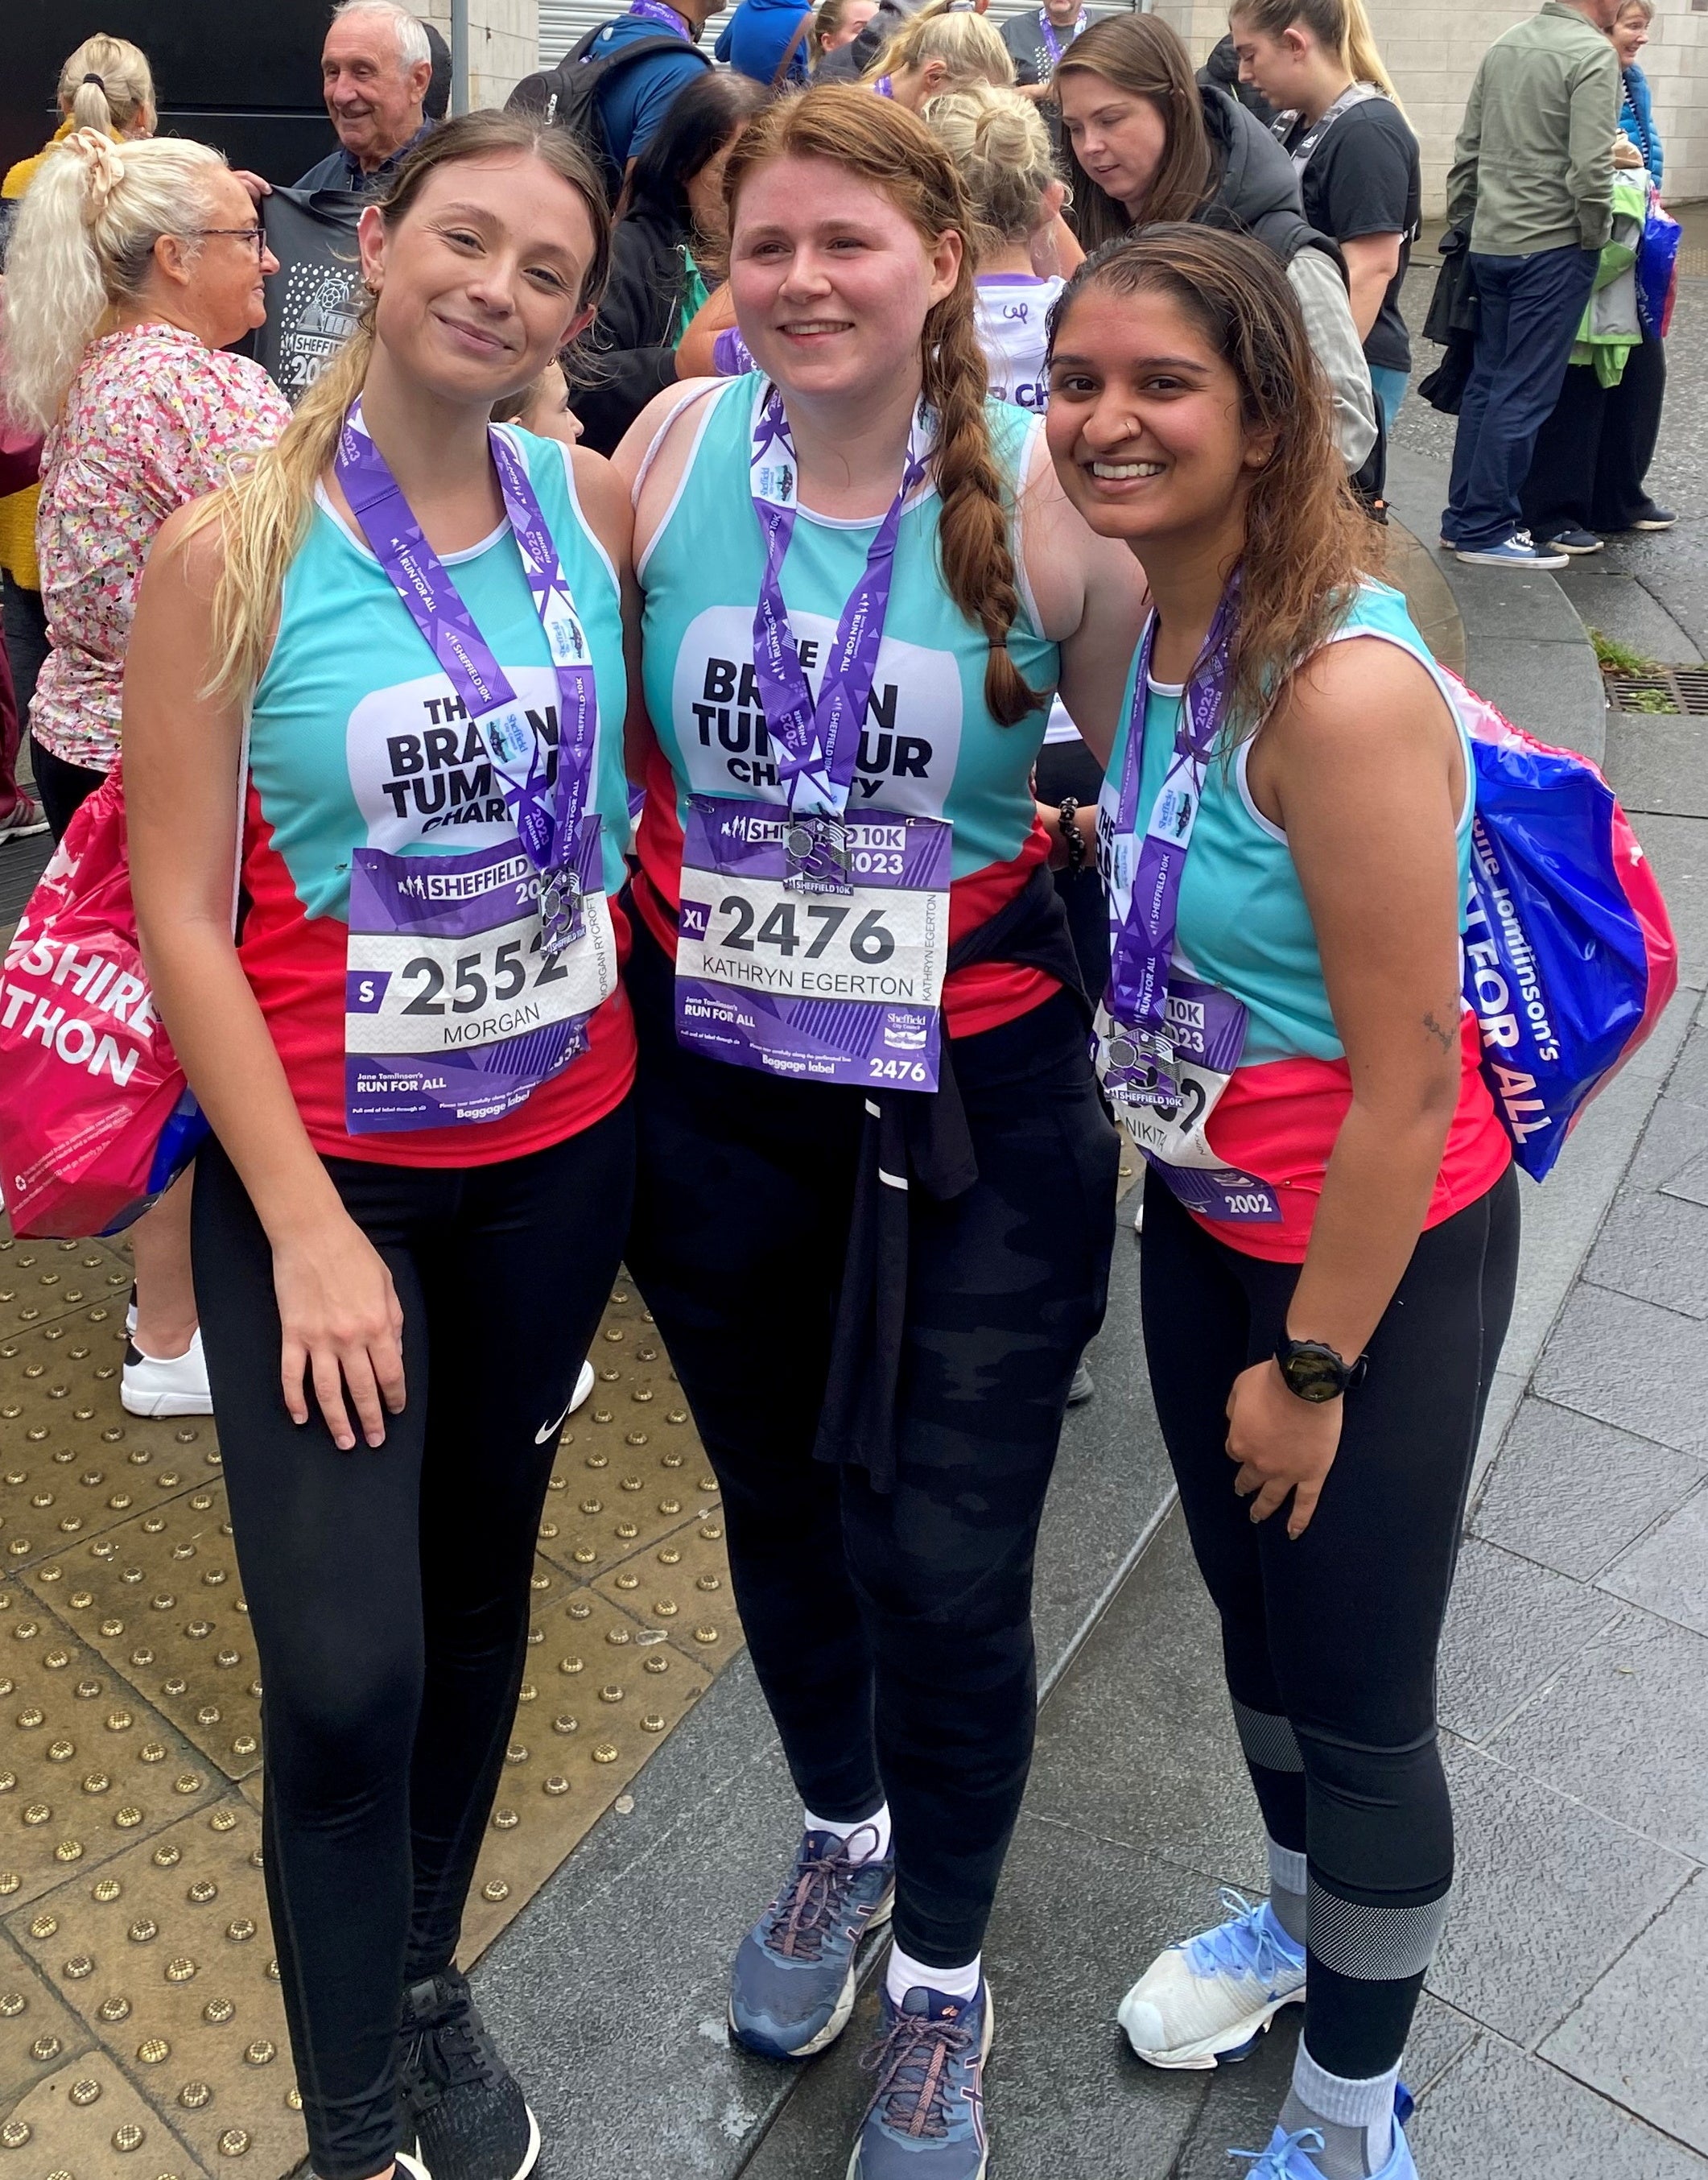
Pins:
x: 1312, y: 1373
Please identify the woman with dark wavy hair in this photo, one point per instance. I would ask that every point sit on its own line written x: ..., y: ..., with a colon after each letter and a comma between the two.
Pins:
x: 1331, y: 1220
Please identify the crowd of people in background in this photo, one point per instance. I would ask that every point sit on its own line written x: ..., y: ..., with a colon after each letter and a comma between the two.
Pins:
x: 891, y: 452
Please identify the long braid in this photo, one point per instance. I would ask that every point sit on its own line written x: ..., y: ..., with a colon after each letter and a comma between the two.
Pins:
x: 973, y: 530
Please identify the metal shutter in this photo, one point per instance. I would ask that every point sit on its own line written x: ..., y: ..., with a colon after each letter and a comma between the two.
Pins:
x: 562, y: 22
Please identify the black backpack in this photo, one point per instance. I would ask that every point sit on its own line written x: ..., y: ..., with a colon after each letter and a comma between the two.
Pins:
x: 566, y: 96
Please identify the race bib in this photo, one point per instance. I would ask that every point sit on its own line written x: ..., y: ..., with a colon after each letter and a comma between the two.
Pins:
x: 453, y: 1012
x: 827, y: 986
x: 1206, y: 1028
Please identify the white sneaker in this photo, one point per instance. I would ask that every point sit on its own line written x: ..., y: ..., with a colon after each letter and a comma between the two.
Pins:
x: 583, y: 1387
x: 166, y: 1386
x: 1212, y: 1997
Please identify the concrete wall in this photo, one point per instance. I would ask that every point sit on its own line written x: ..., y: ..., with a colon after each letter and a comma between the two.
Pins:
x: 503, y: 43
x: 1432, y: 48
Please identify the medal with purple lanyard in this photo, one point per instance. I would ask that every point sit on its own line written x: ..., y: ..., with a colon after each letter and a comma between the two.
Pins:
x: 655, y: 11
x: 812, y: 942
x: 470, y: 977
x: 1167, y: 1043
x: 1052, y: 43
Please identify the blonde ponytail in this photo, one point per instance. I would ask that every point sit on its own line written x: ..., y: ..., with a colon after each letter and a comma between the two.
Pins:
x: 263, y: 516
x: 1357, y: 52
x: 83, y: 243
x: 107, y: 84
x: 970, y: 49
x: 1342, y: 25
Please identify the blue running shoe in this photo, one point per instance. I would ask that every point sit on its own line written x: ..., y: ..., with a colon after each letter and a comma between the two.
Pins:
x: 792, y: 1989
x: 1289, y: 2157
x: 1212, y: 1997
x: 926, y: 2118
x: 1517, y: 551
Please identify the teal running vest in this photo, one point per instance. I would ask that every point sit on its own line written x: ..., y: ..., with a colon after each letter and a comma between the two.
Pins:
x: 928, y: 747
x: 356, y: 737
x: 1244, y: 924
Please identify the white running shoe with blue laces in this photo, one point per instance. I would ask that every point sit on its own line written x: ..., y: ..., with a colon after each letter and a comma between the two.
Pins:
x: 1291, y: 2156
x: 1210, y: 1997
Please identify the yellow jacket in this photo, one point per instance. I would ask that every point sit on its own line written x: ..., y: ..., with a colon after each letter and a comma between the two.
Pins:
x: 18, y: 513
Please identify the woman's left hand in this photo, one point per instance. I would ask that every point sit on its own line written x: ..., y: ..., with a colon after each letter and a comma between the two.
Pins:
x: 1282, y: 1445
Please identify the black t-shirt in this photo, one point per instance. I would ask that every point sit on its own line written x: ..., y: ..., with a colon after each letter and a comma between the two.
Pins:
x: 1034, y: 63
x: 1364, y: 179
x: 315, y: 299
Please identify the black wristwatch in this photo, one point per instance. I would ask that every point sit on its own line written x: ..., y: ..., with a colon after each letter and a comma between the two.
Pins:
x: 1312, y: 1370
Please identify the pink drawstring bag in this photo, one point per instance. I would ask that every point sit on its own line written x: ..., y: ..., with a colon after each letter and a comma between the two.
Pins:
x: 95, y: 1118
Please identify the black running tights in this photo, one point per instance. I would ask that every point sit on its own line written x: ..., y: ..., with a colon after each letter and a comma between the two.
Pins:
x: 388, y: 1588
x: 1330, y: 1640
x: 892, y: 1633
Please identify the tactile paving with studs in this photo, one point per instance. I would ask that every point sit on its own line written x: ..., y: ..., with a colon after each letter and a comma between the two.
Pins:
x: 141, y: 2028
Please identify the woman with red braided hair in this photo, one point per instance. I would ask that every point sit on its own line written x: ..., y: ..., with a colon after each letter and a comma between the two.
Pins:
x: 876, y: 1194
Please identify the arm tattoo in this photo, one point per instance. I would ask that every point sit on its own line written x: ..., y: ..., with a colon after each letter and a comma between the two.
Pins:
x: 1444, y: 1037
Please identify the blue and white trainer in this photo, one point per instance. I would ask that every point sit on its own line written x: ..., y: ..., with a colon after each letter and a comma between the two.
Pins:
x: 1517, y: 551
x: 1291, y: 2156
x: 792, y: 1989
x: 1210, y: 1997
x: 926, y: 2118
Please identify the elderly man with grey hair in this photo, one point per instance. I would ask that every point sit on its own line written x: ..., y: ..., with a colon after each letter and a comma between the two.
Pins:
x: 376, y: 67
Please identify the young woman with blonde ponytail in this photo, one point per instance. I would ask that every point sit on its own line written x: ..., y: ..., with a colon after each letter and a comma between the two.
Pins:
x: 942, y: 48
x: 382, y: 676
x: 874, y: 1205
x: 1353, y: 149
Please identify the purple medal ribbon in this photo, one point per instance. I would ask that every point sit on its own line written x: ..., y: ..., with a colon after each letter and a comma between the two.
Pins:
x: 818, y: 742
x: 1141, y: 1052
x: 655, y: 11
x: 1052, y: 44
x: 549, y: 826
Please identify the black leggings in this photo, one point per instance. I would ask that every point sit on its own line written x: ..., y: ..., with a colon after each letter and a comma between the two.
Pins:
x: 892, y: 1633
x: 388, y: 1589
x: 61, y: 788
x: 1330, y: 1640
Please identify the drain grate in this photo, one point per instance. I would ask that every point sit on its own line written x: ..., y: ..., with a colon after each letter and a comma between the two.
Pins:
x: 1660, y: 689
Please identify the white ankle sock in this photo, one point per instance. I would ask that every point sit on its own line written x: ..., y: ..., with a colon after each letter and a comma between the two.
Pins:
x: 1355, y: 2119
x: 904, y: 1974
x: 1287, y: 1889
x: 864, y: 1826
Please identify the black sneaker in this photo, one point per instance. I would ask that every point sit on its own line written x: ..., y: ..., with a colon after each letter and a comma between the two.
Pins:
x: 471, y: 2120
x: 407, y: 2169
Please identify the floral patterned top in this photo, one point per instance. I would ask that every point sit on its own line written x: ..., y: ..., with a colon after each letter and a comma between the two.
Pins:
x: 153, y: 420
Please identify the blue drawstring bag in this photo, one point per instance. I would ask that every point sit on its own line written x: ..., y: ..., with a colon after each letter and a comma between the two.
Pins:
x: 1569, y: 956
x: 1657, y: 269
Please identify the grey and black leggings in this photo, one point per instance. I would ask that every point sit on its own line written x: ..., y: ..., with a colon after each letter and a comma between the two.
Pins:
x: 1330, y: 1640
x: 891, y: 1631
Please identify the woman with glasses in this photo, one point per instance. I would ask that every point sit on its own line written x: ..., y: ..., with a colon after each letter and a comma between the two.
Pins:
x: 131, y: 267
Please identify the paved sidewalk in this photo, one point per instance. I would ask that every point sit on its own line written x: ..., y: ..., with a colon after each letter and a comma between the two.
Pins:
x: 1562, y: 2033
